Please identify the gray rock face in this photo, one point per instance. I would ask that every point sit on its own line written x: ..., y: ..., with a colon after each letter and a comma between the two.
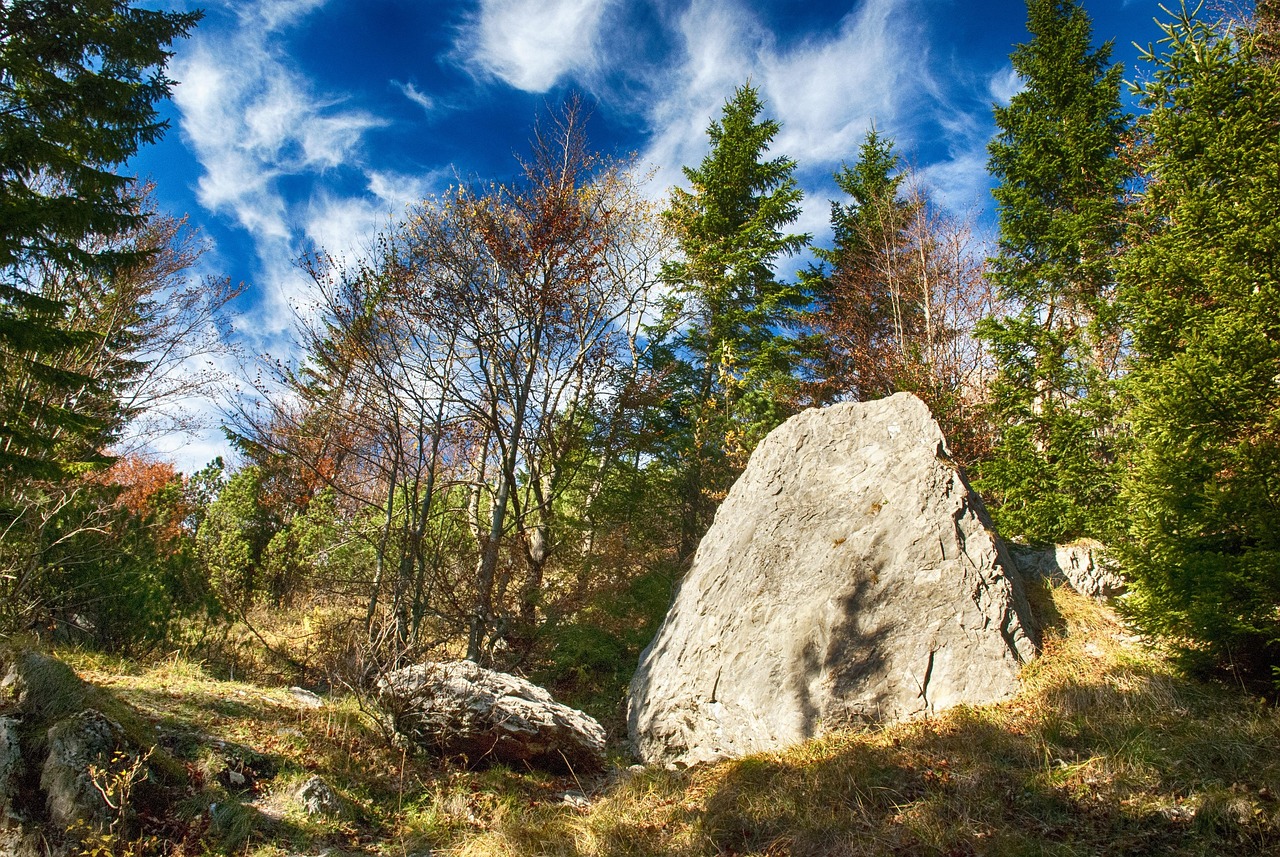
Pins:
x: 317, y: 798
x: 10, y: 770
x: 76, y: 743
x: 1083, y: 565
x: 26, y: 842
x: 461, y: 709
x: 65, y: 744
x: 850, y: 577
x: 305, y: 698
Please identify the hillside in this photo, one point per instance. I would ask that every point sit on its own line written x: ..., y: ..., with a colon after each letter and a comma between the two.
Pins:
x: 1106, y: 750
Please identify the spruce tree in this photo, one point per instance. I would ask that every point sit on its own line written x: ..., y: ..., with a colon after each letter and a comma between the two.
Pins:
x: 1060, y: 196
x: 79, y: 84
x: 733, y: 356
x: 1201, y: 290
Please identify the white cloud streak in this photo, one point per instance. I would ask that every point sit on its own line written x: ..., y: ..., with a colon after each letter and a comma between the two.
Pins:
x: 1004, y: 85
x: 826, y: 90
x: 271, y: 15
x: 417, y: 96
x: 254, y: 121
x: 345, y: 225
x: 532, y: 44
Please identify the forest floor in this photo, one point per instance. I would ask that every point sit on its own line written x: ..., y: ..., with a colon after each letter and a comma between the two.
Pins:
x: 1107, y: 750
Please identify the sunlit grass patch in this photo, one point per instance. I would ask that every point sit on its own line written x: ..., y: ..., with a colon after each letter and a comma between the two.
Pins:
x: 1107, y: 750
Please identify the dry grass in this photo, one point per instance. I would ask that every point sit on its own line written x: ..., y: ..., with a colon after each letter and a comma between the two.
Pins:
x: 401, y: 803
x: 1107, y: 751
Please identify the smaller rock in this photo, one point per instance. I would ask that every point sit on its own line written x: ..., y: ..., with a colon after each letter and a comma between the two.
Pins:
x: 577, y: 800
x: 20, y: 841
x: 1178, y: 812
x: 79, y: 746
x: 316, y: 797
x: 10, y: 770
x: 306, y: 698
x: 460, y: 709
x: 241, y: 768
x: 1083, y: 565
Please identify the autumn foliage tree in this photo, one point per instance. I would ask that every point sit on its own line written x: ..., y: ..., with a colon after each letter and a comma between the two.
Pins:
x: 141, y: 333
x: 463, y: 386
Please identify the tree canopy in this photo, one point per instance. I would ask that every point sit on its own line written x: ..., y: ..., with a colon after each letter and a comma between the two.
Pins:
x: 1201, y: 293
x: 732, y: 351
x: 79, y: 83
x: 1060, y: 197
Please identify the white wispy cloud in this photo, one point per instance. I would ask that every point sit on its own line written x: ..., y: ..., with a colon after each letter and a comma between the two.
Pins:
x: 1004, y: 85
x: 254, y: 121
x: 190, y: 452
x: 235, y: 179
x: 531, y: 44
x: 344, y: 225
x: 271, y: 15
x: 417, y: 96
x: 959, y: 183
x: 826, y: 90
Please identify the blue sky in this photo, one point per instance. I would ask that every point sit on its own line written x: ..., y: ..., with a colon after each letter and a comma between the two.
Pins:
x: 312, y: 123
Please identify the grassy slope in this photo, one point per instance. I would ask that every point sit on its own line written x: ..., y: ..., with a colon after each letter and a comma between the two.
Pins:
x: 1106, y: 751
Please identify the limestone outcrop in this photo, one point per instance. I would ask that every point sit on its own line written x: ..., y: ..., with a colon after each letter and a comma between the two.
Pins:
x: 78, y: 747
x: 459, y: 709
x: 315, y: 797
x: 73, y: 759
x: 1082, y: 565
x: 850, y: 577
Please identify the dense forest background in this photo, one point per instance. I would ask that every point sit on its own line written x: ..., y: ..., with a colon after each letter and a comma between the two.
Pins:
x: 516, y: 415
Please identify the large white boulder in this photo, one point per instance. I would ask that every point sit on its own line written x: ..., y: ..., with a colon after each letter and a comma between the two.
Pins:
x: 850, y: 577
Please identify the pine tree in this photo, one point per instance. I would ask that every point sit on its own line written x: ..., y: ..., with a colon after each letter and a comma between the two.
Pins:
x: 1060, y: 195
x: 733, y: 357
x: 78, y: 87
x: 1201, y: 289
